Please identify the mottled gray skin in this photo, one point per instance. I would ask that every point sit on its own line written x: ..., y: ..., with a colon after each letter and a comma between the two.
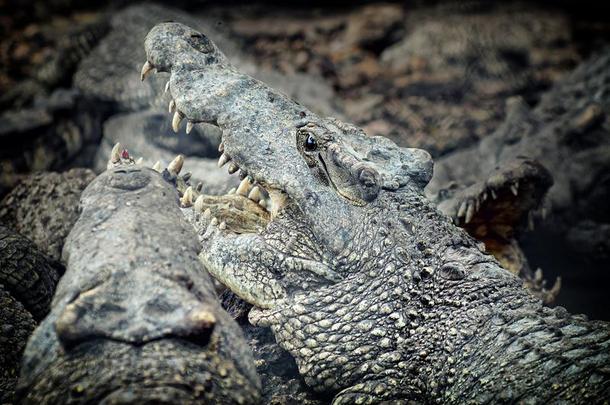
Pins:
x: 381, y: 300
x: 27, y: 282
x: 135, y: 318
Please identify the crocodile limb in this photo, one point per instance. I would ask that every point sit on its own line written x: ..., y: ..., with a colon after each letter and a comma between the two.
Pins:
x: 377, y: 295
x: 135, y: 318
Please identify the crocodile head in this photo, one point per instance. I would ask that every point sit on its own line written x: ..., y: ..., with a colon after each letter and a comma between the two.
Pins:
x: 377, y: 295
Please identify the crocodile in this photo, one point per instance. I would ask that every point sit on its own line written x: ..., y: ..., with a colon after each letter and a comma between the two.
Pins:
x: 27, y: 281
x: 135, y: 317
x: 376, y: 294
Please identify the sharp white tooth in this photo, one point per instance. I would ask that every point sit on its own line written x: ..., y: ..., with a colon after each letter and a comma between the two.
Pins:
x: 189, y: 127
x: 221, y: 147
x: 176, y: 121
x: 222, y: 225
x: 244, y: 187
x: 115, y: 155
x: 255, y: 194
x: 224, y: 158
x: 139, y: 160
x: 214, y: 221
x: 462, y: 209
x: 172, y: 106
x: 485, y: 196
x: 158, y: 167
x: 187, y: 197
x: 493, y: 194
x: 470, y: 212
x: 232, y: 191
x: 263, y: 203
x: 538, y: 275
x: 167, y: 86
x: 176, y: 165
x: 514, y: 188
x: 199, y: 203
x: 233, y: 167
x: 146, y: 69
x: 207, y: 213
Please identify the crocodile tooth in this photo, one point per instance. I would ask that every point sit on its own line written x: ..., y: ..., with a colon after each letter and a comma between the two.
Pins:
x: 263, y: 203
x: 176, y: 165
x: 470, y: 212
x: 115, y: 155
x: 493, y: 194
x: 224, y: 158
x: 214, y: 221
x: 167, y: 86
x: 514, y: 189
x: 232, y: 191
x: 189, y: 126
x: 244, y: 187
x: 172, y: 106
x: 538, y: 275
x: 221, y: 147
x: 176, y: 121
x: 485, y: 196
x: 207, y: 213
x: 255, y: 194
x: 158, y: 167
x: 146, y: 69
x: 202, y: 318
x: 233, y: 167
x: 223, y: 225
x: 462, y: 209
x: 198, y: 203
x: 139, y: 160
x: 187, y: 197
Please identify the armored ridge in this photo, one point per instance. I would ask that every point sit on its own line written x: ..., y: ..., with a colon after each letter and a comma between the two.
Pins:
x: 376, y: 294
x: 135, y: 316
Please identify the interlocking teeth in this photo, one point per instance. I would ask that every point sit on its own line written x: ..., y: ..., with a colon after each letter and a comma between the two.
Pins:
x: 255, y: 194
x: 158, y: 167
x: 146, y: 69
x: 244, y: 187
x: 176, y: 165
x: 199, y: 203
x: 224, y: 158
x: 172, y: 106
x: 189, y: 126
x: 187, y: 198
x: 176, y: 121
x: 233, y: 167
x: 167, y: 86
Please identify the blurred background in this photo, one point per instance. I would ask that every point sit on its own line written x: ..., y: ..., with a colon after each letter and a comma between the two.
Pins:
x: 477, y: 84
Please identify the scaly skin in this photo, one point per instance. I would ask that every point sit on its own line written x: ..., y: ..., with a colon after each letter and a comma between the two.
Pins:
x: 377, y: 295
x: 135, y: 318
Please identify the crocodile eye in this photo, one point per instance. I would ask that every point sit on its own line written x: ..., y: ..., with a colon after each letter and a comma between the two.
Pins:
x: 310, y: 143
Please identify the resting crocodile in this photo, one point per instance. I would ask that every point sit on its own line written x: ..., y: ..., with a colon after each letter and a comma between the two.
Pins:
x: 377, y: 295
x: 135, y: 317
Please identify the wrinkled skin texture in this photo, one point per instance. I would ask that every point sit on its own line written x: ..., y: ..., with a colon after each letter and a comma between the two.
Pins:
x: 27, y: 282
x: 44, y: 207
x: 135, y: 317
x: 382, y: 301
